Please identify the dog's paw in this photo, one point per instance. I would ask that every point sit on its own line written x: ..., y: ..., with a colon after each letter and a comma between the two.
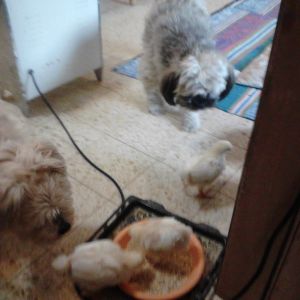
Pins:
x: 191, y: 122
x: 157, y: 110
x: 191, y: 126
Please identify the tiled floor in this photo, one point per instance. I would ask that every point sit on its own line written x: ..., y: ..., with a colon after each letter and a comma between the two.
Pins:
x: 144, y: 153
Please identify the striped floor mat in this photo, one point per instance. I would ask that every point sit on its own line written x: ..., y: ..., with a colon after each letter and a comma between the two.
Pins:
x: 244, y: 32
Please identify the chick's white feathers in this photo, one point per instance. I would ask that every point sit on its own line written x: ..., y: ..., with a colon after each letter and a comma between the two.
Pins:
x: 201, y: 172
x: 210, y: 165
x: 99, y: 264
x: 61, y: 263
x: 160, y: 234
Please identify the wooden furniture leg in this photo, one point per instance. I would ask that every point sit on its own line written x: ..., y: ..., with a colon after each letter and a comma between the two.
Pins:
x: 98, y: 73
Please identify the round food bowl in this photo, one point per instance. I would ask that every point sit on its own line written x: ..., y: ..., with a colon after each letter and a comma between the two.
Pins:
x: 196, y: 251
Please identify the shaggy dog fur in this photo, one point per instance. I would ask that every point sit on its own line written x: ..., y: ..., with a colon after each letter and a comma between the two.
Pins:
x: 35, y: 194
x: 180, y: 65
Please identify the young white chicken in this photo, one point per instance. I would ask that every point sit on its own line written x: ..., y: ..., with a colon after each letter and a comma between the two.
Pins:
x: 200, y: 177
x: 98, y: 264
x: 160, y: 234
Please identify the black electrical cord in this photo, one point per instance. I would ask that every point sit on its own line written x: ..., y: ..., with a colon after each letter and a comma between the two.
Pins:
x: 290, y: 214
x: 31, y: 73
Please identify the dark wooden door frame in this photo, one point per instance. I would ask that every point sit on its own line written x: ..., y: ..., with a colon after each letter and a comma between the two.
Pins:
x: 271, y: 177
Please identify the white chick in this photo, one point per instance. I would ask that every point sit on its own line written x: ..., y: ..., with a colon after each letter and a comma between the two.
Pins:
x: 160, y: 234
x: 201, y: 173
x: 98, y: 264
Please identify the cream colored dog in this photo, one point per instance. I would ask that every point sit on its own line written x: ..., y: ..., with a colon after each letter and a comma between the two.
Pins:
x: 35, y: 194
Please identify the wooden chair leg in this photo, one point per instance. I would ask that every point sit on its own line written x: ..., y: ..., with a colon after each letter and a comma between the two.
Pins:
x: 98, y: 72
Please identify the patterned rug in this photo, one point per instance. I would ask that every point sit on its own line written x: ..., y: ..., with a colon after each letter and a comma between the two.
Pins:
x: 244, y: 31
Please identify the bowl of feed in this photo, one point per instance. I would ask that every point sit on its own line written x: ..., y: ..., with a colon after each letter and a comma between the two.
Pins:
x: 164, y: 275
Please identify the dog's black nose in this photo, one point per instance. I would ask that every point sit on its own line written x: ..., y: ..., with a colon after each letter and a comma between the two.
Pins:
x: 63, y: 227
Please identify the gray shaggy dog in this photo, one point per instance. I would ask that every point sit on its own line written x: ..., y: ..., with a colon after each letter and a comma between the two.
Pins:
x: 180, y: 66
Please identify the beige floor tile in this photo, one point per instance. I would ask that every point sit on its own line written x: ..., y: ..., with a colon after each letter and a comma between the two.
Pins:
x: 121, y: 161
x: 195, y: 145
x: 85, y: 201
x: 69, y: 97
x: 230, y: 189
x: 118, y: 159
x: 214, y: 121
x: 122, y: 120
x: 115, y: 38
x: 225, y: 126
x: 130, y: 90
x: 161, y: 184
x: 216, y: 212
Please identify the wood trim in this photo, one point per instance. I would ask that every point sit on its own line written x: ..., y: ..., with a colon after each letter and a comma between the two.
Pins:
x: 271, y: 176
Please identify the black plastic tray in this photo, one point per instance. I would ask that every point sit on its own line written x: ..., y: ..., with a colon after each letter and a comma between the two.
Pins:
x: 135, y: 209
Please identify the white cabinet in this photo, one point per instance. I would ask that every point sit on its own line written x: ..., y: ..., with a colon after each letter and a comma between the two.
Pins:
x: 59, y: 39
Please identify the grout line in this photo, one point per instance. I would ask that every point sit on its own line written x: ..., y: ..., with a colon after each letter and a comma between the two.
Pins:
x: 111, y: 198
x: 105, y: 133
x: 142, y: 173
x: 145, y: 170
x: 155, y: 159
x: 221, y: 192
x: 208, y: 132
x: 89, y: 187
x: 133, y: 147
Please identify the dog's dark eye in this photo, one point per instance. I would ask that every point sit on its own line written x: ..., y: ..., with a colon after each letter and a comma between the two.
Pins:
x: 62, y: 224
x: 168, y: 87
